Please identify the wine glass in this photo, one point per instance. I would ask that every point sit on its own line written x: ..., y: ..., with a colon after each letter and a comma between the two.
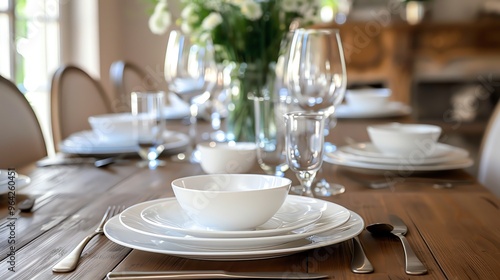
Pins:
x: 216, y: 107
x: 149, y: 126
x: 304, y: 147
x: 315, y: 76
x: 270, y: 135
x: 191, y: 72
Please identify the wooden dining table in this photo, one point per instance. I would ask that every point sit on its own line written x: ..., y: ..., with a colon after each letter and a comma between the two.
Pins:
x: 454, y: 231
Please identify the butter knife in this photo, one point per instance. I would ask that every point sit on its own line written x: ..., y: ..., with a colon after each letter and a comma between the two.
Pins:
x: 211, y: 274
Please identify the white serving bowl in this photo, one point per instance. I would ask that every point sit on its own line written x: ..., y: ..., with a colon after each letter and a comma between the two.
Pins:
x: 368, y: 99
x: 405, y: 139
x: 229, y: 158
x: 113, y: 126
x: 231, y: 201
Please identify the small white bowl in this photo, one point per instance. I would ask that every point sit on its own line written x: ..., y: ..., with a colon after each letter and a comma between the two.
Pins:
x: 405, y: 139
x: 113, y: 126
x: 231, y: 201
x: 369, y: 99
x: 229, y: 158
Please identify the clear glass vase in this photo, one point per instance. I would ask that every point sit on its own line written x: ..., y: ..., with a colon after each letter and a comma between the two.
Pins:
x: 247, y: 81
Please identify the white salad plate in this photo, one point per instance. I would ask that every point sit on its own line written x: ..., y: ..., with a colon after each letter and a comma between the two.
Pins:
x: 442, y: 153
x: 401, y: 167
x: 122, y: 235
x: 12, y: 182
x: 333, y: 215
x: 391, y: 109
x: 88, y: 143
x: 367, y: 149
x: 292, y: 215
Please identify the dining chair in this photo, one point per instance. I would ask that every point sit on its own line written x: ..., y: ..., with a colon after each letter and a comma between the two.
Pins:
x: 489, y: 161
x: 127, y: 77
x: 21, y: 140
x: 75, y: 96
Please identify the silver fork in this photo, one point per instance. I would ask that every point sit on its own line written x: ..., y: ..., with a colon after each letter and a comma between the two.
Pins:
x: 70, y: 262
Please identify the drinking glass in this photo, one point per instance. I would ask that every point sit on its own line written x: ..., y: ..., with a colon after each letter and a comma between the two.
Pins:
x: 191, y: 72
x: 304, y: 147
x: 270, y: 135
x: 316, y: 78
x: 149, y: 126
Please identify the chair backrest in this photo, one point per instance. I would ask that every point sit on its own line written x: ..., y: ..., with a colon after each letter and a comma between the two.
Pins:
x: 489, y: 165
x: 21, y: 138
x: 127, y: 77
x: 75, y: 96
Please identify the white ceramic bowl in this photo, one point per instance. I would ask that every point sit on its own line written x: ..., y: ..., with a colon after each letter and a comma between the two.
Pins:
x: 231, y: 201
x: 229, y: 158
x: 113, y: 126
x: 368, y: 99
x: 405, y: 139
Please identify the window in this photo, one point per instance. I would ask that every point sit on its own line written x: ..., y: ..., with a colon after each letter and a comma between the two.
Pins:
x: 29, y: 42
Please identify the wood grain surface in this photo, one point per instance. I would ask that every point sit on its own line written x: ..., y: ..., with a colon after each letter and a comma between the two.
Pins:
x: 454, y: 231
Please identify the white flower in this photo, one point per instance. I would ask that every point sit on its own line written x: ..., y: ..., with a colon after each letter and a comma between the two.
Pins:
x: 251, y: 10
x: 211, y: 21
x: 186, y: 28
x: 160, y: 20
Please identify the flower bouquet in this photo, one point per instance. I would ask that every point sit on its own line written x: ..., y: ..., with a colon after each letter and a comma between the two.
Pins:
x: 247, y: 35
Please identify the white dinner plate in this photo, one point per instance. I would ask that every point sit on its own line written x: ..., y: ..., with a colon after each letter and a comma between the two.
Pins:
x: 120, y: 234
x: 392, y: 109
x: 446, y: 153
x: 292, y: 215
x: 333, y: 215
x: 401, y: 167
x: 367, y: 149
x: 12, y: 182
x: 88, y: 143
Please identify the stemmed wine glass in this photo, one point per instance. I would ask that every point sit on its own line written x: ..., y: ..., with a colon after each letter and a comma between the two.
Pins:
x: 191, y: 72
x: 304, y: 147
x: 315, y: 76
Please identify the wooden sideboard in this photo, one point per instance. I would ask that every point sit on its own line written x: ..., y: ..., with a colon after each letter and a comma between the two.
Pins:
x: 387, y: 53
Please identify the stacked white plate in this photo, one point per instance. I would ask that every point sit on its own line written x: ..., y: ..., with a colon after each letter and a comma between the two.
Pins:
x: 89, y: 143
x: 301, y: 224
x: 367, y: 156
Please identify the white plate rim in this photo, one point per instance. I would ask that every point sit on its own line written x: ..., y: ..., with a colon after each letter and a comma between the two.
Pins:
x: 114, y: 228
x: 135, y: 223
x: 441, y: 149
x: 313, y: 216
x: 71, y: 146
x: 454, y: 153
x: 449, y: 165
x: 393, y: 109
x: 21, y: 181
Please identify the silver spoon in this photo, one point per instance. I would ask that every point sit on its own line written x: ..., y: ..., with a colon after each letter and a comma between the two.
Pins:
x: 413, y: 264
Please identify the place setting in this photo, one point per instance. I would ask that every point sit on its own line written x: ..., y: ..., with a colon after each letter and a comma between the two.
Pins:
x: 115, y: 133
x: 397, y: 146
x: 201, y: 221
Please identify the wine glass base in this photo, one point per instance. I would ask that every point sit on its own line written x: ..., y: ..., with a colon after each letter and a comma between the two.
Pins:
x: 151, y: 164
x: 323, y: 188
x: 301, y: 191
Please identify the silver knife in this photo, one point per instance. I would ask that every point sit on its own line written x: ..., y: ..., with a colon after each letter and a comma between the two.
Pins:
x: 211, y: 274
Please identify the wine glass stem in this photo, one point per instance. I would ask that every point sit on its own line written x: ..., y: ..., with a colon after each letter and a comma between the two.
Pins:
x: 306, y: 178
x: 193, y: 109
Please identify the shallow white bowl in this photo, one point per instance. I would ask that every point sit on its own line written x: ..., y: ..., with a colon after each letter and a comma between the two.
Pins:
x: 231, y: 201
x: 368, y: 99
x: 405, y: 139
x: 229, y: 158
x: 113, y: 126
